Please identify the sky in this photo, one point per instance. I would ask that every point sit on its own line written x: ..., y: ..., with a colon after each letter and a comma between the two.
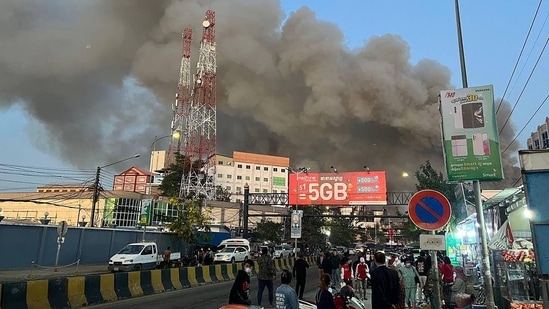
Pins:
x: 493, y: 35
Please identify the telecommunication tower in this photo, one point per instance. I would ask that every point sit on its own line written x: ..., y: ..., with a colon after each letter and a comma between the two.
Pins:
x: 182, y: 105
x: 200, y: 145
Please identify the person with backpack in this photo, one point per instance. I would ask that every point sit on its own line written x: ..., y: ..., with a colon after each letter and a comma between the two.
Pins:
x: 423, y: 266
x: 362, y: 274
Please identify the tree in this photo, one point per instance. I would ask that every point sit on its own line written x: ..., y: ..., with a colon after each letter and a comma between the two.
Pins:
x: 222, y: 194
x: 429, y: 178
x: 171, y: 184
x: 311, y: 227
x: 270, y: 231
x: 191, y: 216
x: 342, y: 231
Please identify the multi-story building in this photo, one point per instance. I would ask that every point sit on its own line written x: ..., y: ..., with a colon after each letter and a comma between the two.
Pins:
x: 262, y: 173
x: 65, y: 187
x: 540, y: 138
x: 133, y: 179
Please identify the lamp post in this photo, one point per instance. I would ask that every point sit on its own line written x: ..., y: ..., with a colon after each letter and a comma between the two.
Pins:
x: 153, y: 149
x: 96, y: 186
x: 297, y: 171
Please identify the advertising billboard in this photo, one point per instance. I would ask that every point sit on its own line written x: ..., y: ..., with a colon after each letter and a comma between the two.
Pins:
x: 470, y: 134
x: 353, y: 188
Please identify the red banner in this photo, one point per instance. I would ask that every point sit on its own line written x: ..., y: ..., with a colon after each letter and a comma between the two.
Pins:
x: 354, y: 188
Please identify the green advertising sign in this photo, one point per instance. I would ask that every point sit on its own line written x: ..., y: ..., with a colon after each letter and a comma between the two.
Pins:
x: 470, y: 134
x: 145, y: 212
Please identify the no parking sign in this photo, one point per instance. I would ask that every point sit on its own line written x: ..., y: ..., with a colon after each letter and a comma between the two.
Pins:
x: 429, y: 210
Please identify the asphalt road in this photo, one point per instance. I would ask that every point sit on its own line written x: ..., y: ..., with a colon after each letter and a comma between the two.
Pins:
x: 210, y: 296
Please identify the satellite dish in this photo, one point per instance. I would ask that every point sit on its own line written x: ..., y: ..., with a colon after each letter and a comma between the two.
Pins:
x: 205, y: 24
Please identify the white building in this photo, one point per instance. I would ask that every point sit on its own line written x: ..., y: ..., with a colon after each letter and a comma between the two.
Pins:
x: 540, y: 138
x: 262, y: 173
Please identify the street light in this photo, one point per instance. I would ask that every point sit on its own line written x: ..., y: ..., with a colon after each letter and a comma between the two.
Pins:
x: 299, y: 170
x: 96, y: 186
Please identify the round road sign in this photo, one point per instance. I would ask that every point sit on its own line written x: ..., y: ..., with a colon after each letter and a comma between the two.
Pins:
x: 429, y: 210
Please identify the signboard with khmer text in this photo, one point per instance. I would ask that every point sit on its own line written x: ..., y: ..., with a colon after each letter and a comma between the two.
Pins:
x: 470, y: 134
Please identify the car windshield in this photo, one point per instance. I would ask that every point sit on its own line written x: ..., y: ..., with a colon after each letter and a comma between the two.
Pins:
x: 278, y: 248
x: 131, y: 249
x: 227, y: 250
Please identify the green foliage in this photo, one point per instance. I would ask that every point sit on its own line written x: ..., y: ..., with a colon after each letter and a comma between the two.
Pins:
x: 311, y: 224
x: 171, y: 184
x: 191, y: 215
x: 267, y: 230
x: 342, y: 231
x: 222, y: 194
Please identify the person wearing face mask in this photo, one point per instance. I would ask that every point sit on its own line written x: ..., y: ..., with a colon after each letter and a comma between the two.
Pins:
x: 240, y: 291
x: 409, y: 274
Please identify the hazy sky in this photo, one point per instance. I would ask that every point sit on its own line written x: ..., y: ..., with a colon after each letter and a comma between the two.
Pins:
x: 493, y: 34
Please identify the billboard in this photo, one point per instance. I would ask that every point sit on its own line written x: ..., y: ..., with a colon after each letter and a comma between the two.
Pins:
x: 296, y: 223
x: 470, y: 134
x: 353, y: 188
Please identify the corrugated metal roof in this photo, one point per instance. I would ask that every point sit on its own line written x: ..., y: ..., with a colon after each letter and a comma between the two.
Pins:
x: 502, y: 196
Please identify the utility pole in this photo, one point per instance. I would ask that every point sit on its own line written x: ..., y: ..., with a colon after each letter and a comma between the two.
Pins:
x: 246, y: 209
x: 95, y: 195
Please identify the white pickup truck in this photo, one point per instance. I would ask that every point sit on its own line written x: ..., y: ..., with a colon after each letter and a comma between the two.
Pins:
x: 140, y: 256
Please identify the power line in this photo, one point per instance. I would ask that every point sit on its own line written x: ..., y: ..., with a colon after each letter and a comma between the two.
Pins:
x: 525, y: 85
x: 520, y: 55
x: 527, y: 123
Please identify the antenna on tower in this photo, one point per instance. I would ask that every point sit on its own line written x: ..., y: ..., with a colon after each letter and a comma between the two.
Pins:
x: 200, y: 145
x: 182, y: 104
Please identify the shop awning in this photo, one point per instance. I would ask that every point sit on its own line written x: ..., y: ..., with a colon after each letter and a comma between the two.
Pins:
x: 501, y: 197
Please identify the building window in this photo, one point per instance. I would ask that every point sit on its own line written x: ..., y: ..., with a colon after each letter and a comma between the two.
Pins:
x: 229, y: 176
x: 266, y: 179
x: 275, y: 169
x: 545, y: 138
x: 257, y: 168
x: 219, y: 175
x: 282, y: 191
x: 239, y: 190
x: 239, y: 177
x: 257, y: 179
x: 264, y: 190
x: 275, y: 191
x: 248, y: 167
x: 238, y: 200
x: 256, y: 190
x: 265, y: 168
x: 239, y: 166
x: 282, y: 170
x: 228, y: 188
x: 219, y: 162
x: 247, y: 177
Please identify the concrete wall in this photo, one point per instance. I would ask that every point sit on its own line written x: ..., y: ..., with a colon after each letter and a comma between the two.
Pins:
x: 22, y: 244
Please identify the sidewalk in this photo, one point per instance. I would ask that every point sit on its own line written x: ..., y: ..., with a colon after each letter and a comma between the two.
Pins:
x: 34, y: 273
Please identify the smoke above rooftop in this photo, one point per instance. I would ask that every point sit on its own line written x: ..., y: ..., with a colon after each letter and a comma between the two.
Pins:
x: 98, y: 78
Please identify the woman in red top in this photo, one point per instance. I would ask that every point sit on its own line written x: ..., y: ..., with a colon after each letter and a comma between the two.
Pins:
x: 346, y: 271
x: 447, y: 270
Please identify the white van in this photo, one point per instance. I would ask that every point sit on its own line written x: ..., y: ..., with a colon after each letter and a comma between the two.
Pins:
x: 234, y: 242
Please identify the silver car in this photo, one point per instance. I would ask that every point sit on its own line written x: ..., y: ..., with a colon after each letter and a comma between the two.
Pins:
x: 231, y: 255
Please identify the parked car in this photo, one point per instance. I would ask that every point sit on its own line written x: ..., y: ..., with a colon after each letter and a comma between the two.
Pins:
x: 140, y: 256
x: 283, y: 251
x: 231, y: 255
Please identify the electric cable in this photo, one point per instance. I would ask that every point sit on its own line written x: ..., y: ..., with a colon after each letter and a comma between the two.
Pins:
x: 527, y: 123
x: 520, y: 55
x: 525, y: 85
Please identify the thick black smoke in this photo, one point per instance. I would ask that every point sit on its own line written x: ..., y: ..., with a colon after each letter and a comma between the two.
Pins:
x: 99, y: 77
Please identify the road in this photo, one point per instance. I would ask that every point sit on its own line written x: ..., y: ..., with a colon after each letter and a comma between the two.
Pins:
x: 211, y: 296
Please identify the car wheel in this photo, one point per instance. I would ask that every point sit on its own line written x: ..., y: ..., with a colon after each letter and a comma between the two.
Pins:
x: 138, y: 267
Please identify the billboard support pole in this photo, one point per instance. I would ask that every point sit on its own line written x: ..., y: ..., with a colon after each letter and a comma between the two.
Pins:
x: 490, y: 304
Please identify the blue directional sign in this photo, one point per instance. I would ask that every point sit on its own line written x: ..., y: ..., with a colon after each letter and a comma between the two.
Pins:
x: 429, y: 210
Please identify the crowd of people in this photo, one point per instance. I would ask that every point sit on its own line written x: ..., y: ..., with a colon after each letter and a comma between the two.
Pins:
x: 396, y: 282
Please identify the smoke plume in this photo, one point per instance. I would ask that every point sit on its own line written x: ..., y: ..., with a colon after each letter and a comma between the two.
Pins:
x: 99, y: 78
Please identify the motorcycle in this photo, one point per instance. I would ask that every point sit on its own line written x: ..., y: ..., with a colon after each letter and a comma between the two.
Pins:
x: 344, y: 299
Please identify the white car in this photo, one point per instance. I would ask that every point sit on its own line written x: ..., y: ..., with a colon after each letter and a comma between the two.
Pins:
x: 283, y: 251
x: 232, y: 255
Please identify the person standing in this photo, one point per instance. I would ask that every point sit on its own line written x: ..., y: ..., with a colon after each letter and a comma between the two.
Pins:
x: 319, y: 262
x: 347, y: 272
x: 240, y: 290
x: 300, y: 274
x: 385, y: 284
x: 362, y: 274
x: 409, y: 274
x: 166, y: 256
x: 423, y: 266
x: 324, y: 299
x: 265, y: 276
x: 327, y: 265
x: 336, y: 264
x: 286, y: 297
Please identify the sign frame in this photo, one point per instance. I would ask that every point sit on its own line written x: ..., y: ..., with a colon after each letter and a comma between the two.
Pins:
x: 441, y: 215
x: 432, y: 242
x: 295, y: 223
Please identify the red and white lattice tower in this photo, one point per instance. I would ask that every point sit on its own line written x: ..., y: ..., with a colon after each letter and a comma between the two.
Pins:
x: 200, y: 146
x: 182, y: 105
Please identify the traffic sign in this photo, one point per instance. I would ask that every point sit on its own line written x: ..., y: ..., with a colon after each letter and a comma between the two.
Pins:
x: 429, y: 210
x: 62, y: 228
x: 432, y: 242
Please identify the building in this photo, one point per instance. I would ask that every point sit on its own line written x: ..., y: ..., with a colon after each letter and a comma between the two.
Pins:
x: 262, y: 173
x: 540, y: 138
x: 133, y: 179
